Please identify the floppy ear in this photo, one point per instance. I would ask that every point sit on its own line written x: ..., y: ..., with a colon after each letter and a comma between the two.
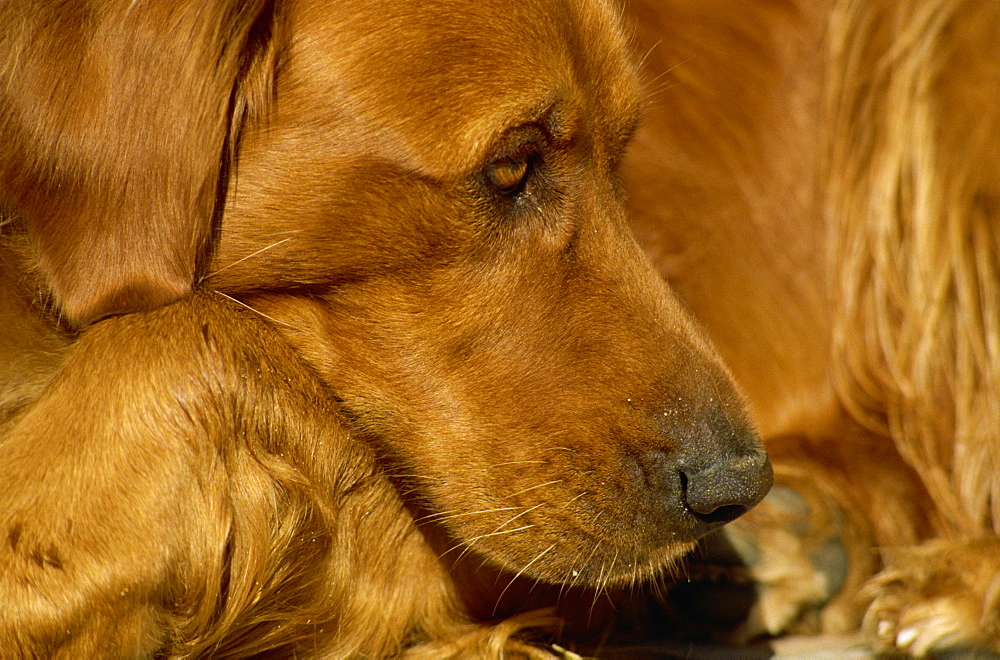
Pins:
x: 114, y: 122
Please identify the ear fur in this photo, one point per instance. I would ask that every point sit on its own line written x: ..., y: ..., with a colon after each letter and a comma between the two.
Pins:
x: 115, y: 120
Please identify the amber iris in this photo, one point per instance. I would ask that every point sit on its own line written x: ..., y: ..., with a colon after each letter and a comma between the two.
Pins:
x: 508, y: 175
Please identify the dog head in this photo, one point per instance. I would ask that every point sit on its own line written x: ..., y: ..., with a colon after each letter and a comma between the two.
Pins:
x: 424, y: 199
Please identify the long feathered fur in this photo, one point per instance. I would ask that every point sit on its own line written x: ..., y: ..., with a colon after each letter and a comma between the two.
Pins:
x: 917, y: 279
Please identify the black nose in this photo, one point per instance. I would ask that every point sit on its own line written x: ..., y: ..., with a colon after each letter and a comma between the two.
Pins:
x: 727, y: 487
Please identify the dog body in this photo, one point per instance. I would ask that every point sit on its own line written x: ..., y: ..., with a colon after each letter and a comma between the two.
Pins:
x: 303, y: 297
x: 815, y: 181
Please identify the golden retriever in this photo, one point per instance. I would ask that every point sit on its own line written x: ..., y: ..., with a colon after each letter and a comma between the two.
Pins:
x: 302, y: 300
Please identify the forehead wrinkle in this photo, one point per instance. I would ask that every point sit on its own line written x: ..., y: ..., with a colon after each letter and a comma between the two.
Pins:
x: 446, y: 125
x: 452, y: 148
x: 434, y: 94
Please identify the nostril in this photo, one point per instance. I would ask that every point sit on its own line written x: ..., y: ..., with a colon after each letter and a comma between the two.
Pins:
x: 710, y: 513
x: 724, y: 514
x: 728, y: 488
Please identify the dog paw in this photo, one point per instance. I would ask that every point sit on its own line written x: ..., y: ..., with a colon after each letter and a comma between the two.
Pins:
x: 941, y: 596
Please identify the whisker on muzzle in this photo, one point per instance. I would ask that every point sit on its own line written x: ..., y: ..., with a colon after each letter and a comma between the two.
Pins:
x: 519, y: 573
x: 602, y: 590
x: 466, y: 544
x: 499, y: 530
x: 442, y: 516
x: 526, y: 511
x: 530, y: 488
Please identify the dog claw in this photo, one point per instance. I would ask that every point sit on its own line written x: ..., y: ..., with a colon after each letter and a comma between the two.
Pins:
x: 905, y: 637
x: 935, y: 598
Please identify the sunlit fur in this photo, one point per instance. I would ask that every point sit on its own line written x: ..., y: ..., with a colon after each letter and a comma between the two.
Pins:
x: 284, y: 371
x: 819, y: 181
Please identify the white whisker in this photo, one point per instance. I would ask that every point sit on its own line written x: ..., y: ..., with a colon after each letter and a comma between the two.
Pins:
x: 445, y: 515
x: 466, y: 544
x: 255, y: 311
x: 249, y: 256
x: 498, y: 533
x: 649, y: 51
x: 528, y: 510
x: 500, y: 528
x: 518, y: 574
x: 547, y: 483
x: 574, y: 574
x: 667, y: 71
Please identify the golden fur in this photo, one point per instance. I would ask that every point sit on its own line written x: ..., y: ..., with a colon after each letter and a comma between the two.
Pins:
x: 818, y: 180
x: 323, y: 331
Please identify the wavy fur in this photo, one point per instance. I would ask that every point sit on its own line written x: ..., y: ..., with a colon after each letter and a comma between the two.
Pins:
x: 917, y: 334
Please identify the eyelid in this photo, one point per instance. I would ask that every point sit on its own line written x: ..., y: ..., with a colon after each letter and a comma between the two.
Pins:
x: 524, y: 137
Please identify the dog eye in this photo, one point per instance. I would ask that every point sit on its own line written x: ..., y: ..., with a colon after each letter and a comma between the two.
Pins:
x: 509, y: 174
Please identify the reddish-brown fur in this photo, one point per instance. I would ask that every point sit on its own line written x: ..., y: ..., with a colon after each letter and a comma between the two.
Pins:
x: 818, y: 181
x: 303, y: 300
